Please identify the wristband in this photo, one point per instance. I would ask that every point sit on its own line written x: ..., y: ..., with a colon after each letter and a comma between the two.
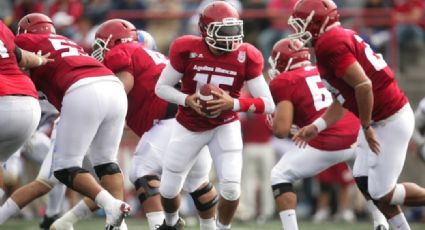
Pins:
x: 320, y: 123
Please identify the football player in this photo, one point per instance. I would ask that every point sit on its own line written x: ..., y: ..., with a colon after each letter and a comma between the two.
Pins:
x: 151, y: 118
x: 218, y: 57
x: 301, y: 97
x: 19, y: 107
x: 93, y: 105
x: 362, y: 82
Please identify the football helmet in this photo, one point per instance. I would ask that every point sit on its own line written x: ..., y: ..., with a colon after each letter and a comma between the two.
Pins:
x: 36, y: 23
x: 146, y: 39
x: 221, y: 27
x: 310, y: 18
x: 287, y: 53
x: 110, y: 34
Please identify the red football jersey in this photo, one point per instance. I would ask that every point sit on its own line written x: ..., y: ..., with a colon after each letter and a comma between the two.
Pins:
x: 70, y: 64
x: 190, y: 55
x: 304, y: 88
x: 13, y: 80
x: 144, y: 107
x: 336, y: 50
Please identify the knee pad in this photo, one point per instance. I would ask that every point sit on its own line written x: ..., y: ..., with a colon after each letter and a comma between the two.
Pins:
x: 203, y: 206
x: 66, y: 176
x: 106, y: 169
x: 148, y: 189
x: 399, y: 195
x: 363, y: 186
x: 281, y: 188
x: 230, y: 190
x: 171, y: 184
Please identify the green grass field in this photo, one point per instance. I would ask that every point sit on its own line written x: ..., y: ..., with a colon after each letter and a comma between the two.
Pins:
x: 92, y: 224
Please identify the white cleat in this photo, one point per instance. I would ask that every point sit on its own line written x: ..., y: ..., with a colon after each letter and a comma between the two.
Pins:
x: 61, y: 224
x: 115, y: 216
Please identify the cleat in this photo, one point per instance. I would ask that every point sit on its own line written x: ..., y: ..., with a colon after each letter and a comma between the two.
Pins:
x: 115, y: 216
x: 47, y: 221
x: 178, y: 226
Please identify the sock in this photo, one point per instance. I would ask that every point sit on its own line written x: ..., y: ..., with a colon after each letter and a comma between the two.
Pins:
x: 81, y: 210
x: 289, y: 219
x: 54, y: 203
x: 155, y: 219
x: 221, y: 226
x: 1, y: 194
x: 104, y: 199
x: 399, y: 222
x: 207, y: 224
x: 378, y: 217
x: 171, y: 218
x: 8, y: 209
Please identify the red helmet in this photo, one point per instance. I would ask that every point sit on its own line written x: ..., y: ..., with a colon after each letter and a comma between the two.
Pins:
x: 112, y: 33
x: 220, y: 26
x: 286, y: 54
x: 310, y: 18
x: 36, y: 23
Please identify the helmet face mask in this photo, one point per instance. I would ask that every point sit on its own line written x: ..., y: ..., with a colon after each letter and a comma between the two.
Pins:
x: 110, y: 34
x: 311, y: 18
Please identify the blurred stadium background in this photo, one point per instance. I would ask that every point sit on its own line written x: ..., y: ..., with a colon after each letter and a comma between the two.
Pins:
x: 392, y: 27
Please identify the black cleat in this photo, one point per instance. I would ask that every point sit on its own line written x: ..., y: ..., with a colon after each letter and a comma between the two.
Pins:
x: 381, y: 227
x: 47, y: 221
x: 178, y: 226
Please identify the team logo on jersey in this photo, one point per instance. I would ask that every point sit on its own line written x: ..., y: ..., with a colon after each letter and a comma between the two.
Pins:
x: 242, y: 56
x: 193, y: 55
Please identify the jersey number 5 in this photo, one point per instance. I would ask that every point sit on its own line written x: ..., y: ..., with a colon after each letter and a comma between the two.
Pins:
x: 72, y: 47
x: 3, y: 50
x: 217, y: 80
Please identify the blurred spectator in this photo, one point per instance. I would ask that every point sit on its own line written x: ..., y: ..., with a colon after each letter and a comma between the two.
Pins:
x: 418, y: 138
x: 339, y: 181
x: 279, y: 27
x: 410, y: 24
x: 83, y: 33
x: 6, y: 12
x: 97, y: 10
x: 64, y: 14
x: 132, y: 5
x: 258, y: 160
x: 24, y: 7
x: 164, y: 31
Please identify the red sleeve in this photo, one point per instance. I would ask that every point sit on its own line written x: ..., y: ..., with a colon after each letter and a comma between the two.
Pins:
x: 118, y: 60
x: 26, y: 41
x: 339, y: 57
x: 178, y: 53
x: 255, y: 62
x: 280, y: 92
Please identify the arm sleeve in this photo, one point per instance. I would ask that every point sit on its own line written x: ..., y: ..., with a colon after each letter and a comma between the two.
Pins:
x: 165, y: 86
x: 261, y: 97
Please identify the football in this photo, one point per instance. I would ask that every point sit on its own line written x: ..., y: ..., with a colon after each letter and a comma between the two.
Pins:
x: 206, y: 95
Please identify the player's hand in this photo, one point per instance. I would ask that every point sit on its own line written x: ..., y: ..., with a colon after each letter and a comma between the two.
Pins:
x: 193, y: 102
x: 44, y: 59
x: 304, y: 135
x: 224, y: 102
x: 372, y: 140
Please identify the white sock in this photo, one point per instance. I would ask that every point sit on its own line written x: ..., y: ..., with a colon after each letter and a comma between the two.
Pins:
x: 155, y: 219
x: 399, y: 222
x: 104, y: 199
x: 8, y: 209
x: 207, y: 224
x: 378, y: 217
x: 1, y: 194
x: 54, y: 203
x: 289, y: 219
x: 171, y: 218
x: 221, y: 226
x: 81, y: 210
